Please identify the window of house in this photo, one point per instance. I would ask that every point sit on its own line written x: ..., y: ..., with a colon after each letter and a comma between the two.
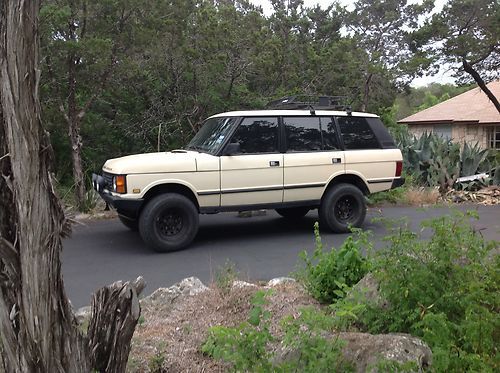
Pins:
x: 357, y: 134
x: 443, y: 130
x: 493, y: 137
x: 257, y: 135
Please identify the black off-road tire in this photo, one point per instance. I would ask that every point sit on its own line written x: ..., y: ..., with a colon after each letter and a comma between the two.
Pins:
x: 131, y: 224
x: 293, y: 212
x: 169, y: 222
x: 342, y: 206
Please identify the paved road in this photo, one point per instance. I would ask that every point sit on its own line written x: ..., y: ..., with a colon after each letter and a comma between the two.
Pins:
x: 261, y: 247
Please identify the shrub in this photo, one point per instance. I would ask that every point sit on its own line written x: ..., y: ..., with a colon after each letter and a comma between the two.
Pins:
x: 245, y: 345
x: 444, y: 290
x: 328, y: 275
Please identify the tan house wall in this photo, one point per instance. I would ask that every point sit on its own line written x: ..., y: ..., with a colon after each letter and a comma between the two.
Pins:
x: 471, y: 133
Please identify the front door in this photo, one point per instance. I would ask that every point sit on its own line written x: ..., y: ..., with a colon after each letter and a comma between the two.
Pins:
x: 254, y: 175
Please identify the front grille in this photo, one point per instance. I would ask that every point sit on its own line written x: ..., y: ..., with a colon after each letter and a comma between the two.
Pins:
x: 108, y: 179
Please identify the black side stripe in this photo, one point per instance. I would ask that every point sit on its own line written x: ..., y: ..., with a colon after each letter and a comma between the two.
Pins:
x: 268, y: 189
x: 380, y: 181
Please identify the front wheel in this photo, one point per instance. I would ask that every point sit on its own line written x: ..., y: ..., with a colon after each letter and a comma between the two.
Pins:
x: 342, y: 206
x: 169, y: 222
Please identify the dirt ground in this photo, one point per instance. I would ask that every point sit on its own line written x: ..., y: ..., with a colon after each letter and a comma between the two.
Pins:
x: 170, y: 340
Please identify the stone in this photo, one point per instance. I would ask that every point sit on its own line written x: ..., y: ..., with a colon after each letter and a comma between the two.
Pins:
x: 163, y: 296
x: 82, y: 314
x: 365, y: 350
x: 367, y: 291
x: 281, y: 281
x: 242, y: 284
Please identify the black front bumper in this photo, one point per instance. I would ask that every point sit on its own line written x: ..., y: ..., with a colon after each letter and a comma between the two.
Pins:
x: 127, y: 207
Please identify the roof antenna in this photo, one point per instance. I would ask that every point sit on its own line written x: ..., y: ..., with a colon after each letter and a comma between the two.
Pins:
x: 348, y: 110
x: 311, y: 110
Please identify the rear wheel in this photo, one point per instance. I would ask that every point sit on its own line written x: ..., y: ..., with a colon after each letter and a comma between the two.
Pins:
x: 293, y: 212
x: 342, y: 206
x: 169, y: 222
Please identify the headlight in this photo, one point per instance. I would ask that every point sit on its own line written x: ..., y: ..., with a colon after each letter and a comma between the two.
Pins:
x: 119, y: 184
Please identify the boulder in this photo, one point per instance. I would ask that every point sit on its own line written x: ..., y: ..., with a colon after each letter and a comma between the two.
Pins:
x: 365, y: 351
x: 164, y: 296
x: 280, y: 281
x: 367, y: 291
x: 372, y: 353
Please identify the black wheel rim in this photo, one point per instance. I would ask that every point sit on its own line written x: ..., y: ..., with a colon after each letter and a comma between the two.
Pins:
x: 171, y: 222
x: 345, y: 209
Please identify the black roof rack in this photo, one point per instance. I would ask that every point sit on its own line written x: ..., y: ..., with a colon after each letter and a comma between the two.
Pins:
x: 310, y: 102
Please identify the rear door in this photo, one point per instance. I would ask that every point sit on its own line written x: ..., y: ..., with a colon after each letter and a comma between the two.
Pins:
x: 312, y: 157
x: 255, y: 175
x: 365, y: 155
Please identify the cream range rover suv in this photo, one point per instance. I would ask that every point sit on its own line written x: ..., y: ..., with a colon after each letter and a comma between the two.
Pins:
x: 292, y: 161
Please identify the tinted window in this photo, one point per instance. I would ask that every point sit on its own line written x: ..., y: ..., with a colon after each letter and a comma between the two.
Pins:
x: 302, y: 133
x: 329, y: 136
x: 383, y: 136
x: 310, y: 134
x: 257, y: 135
x: 357, y: 133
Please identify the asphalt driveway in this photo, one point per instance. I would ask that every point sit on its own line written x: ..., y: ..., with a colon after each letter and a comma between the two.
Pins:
x: 261, y: 247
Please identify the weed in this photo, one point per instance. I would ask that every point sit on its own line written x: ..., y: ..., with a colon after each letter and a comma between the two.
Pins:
x: 245, y: 345
x: 329, y: 275
x: 225, y: 277
x: 155, y: 364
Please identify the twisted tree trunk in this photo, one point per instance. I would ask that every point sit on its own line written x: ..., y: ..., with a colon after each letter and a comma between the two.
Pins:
x: 37, y: 327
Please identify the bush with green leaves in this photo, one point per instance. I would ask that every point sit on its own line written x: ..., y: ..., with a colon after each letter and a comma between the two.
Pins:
x: 309, y: 338
x: 328, y: 275
x: 244, y: 346
x: 444, y: 290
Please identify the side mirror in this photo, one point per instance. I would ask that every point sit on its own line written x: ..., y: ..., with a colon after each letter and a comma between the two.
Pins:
x: 231, y: 149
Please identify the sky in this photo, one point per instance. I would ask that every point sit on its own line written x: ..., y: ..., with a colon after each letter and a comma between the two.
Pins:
x: 443, y: 76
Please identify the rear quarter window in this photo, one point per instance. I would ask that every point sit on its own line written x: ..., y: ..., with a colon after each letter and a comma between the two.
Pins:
x: 357, y: 134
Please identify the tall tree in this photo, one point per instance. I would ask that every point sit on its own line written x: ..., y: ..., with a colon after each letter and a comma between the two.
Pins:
x: 382, y: 29
x: 82, y: 43
x: 466, y: 33
x: 38, y: 330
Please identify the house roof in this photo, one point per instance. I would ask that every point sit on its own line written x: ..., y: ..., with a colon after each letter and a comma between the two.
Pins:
x: 471, y: 106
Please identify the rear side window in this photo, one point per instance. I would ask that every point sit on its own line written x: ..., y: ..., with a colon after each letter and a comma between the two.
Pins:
x: 257, y: 135
x: 384, y: 137
x: 305, y: 134
x: 357, y: 134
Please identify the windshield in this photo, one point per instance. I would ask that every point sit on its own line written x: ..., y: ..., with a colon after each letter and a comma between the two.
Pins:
x: 210, y: 137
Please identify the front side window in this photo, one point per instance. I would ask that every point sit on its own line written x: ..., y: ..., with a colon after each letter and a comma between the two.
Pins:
x: 305, y: 134
x: 357, y: 134
x: 211, y: 135
x: 257, y: 135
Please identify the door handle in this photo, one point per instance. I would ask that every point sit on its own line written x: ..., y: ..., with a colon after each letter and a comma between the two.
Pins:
x: 336, y: 160
x: 274, y: 163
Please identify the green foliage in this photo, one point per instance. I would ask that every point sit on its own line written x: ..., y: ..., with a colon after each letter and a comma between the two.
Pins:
x: 225, y: 277
x: 435, y: 161
x: 444, y: 290
x: 244, y: 346
x: 309, y: 337
x: 155, y: 364
x: 329, y: 275
x: 317, y: 348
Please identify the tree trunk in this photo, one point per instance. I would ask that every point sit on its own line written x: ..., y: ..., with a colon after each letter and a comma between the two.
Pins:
x: 74, y: 122
x: 366, y: 92
x: 480, y: 82
x: 38, y: 330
